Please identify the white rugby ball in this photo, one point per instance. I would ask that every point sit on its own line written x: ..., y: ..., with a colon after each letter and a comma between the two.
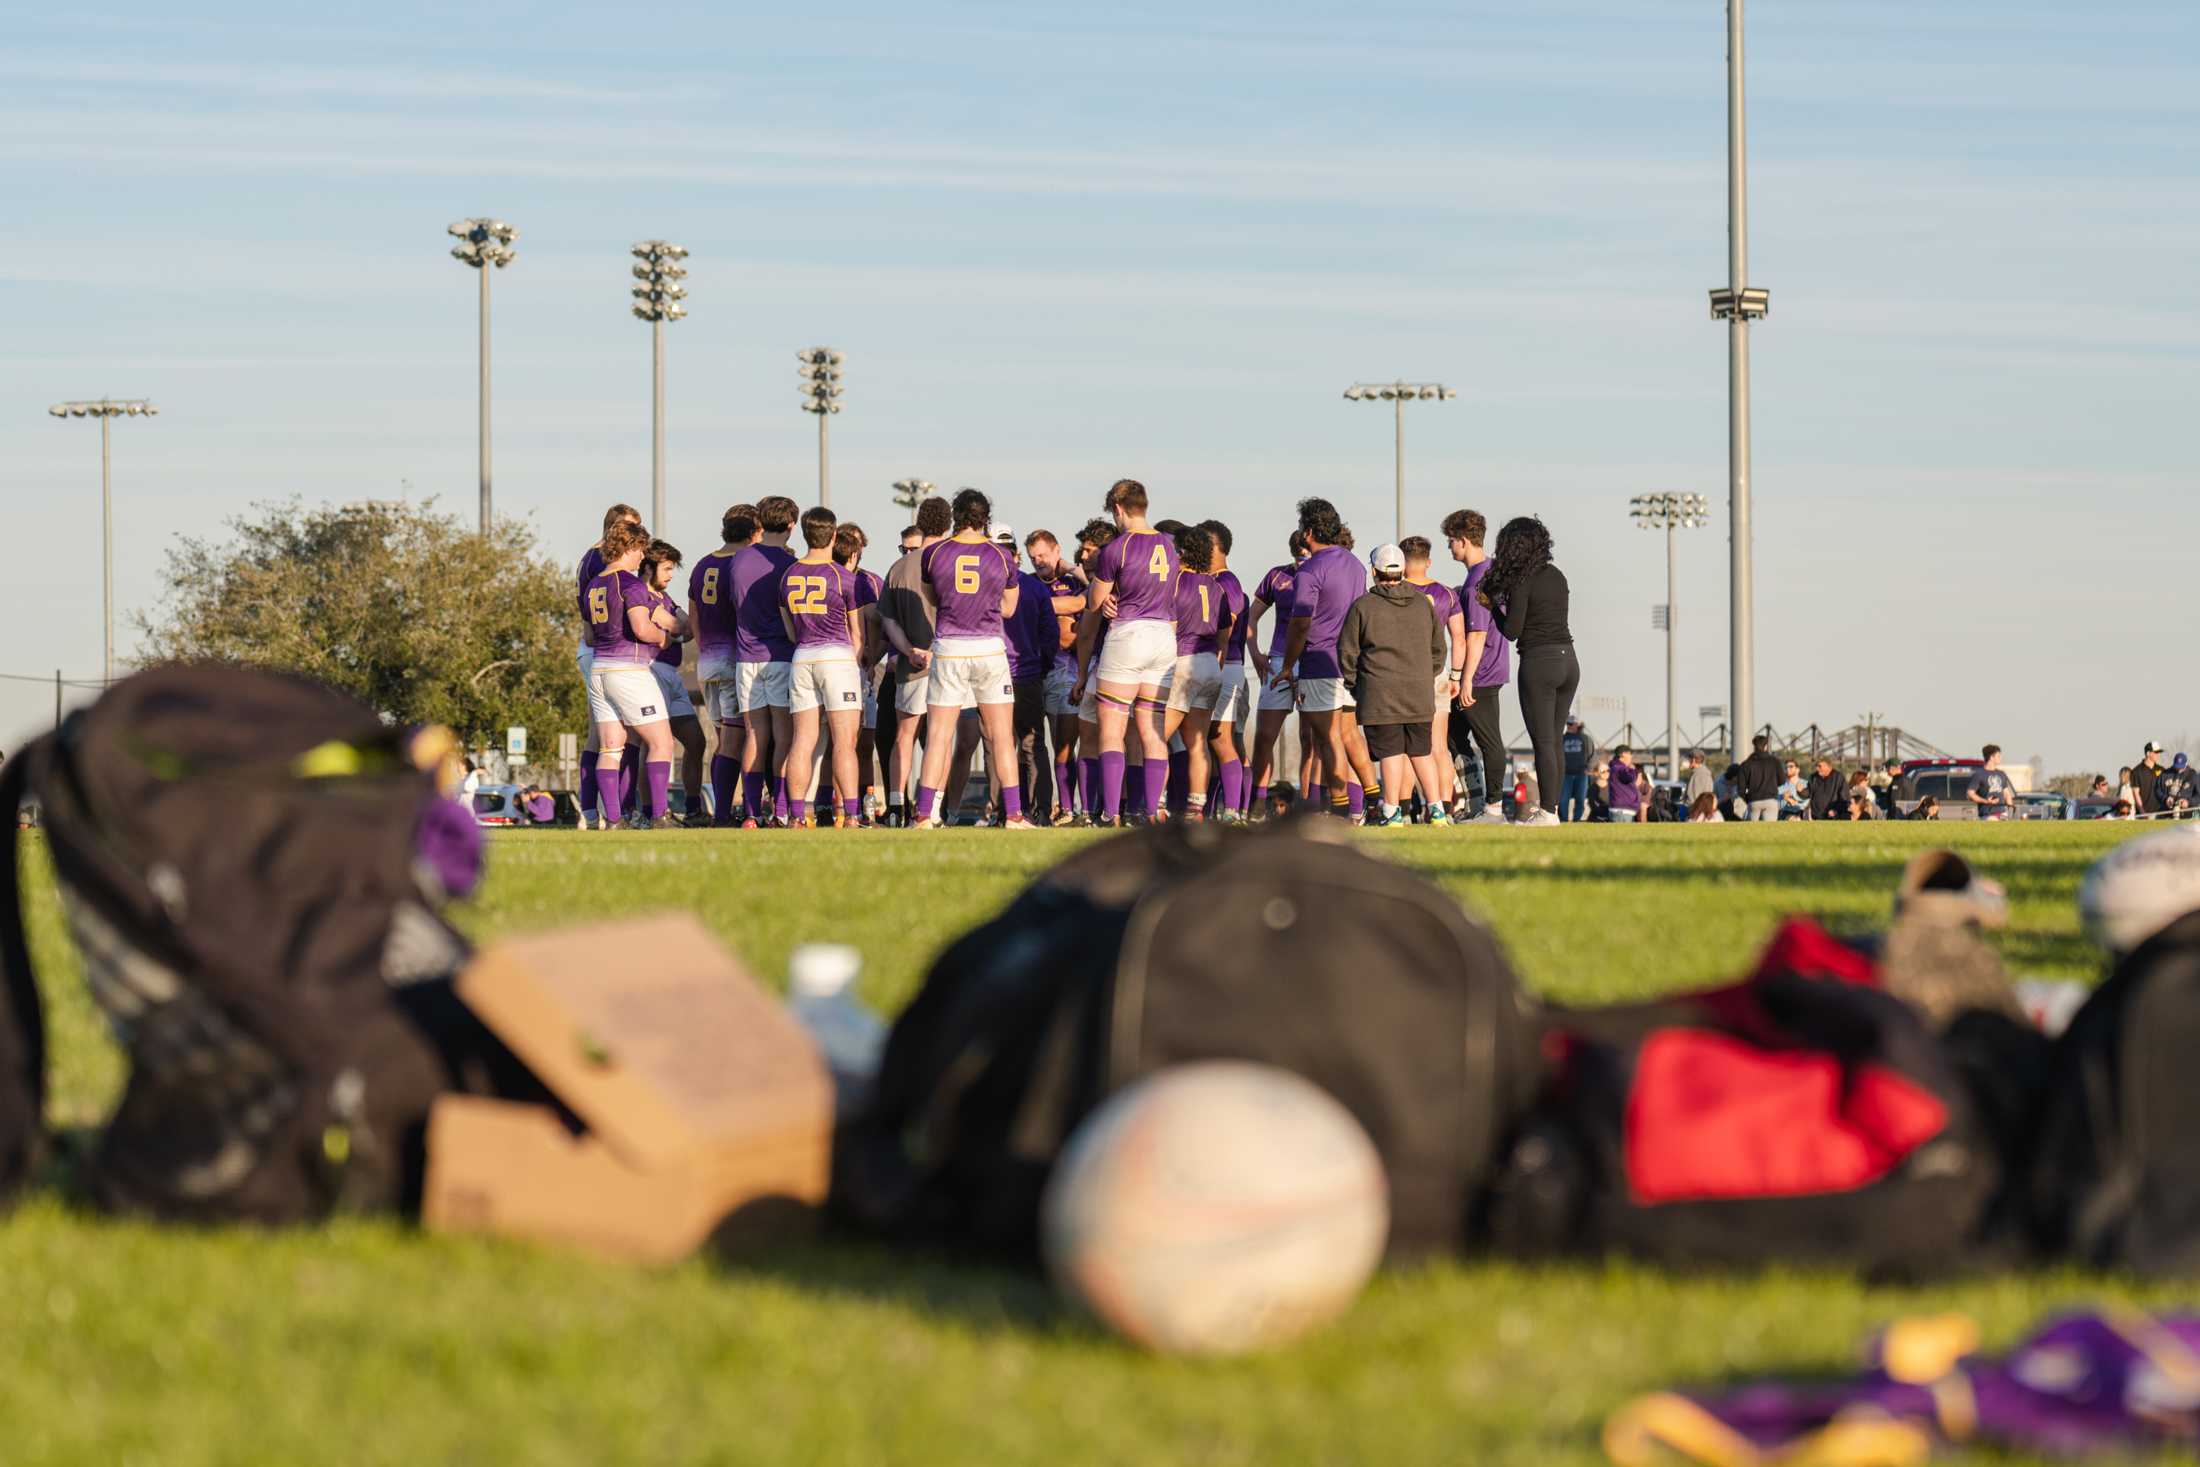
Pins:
x: 1216, y: 1208
x: 2141, y: 887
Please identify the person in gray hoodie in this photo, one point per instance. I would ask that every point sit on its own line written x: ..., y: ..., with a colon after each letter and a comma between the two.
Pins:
x: 1388, y: 653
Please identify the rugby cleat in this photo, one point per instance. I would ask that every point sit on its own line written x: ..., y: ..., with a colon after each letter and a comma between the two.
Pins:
x: 1396, y: 819
x: 929, y: 822
x: 1437, y: 816
x: 637, y: 822
x: 1018, y: 823
x: 1542, y: 818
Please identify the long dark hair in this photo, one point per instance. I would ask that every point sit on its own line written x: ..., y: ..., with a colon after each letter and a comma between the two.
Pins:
x: 1523, y: 548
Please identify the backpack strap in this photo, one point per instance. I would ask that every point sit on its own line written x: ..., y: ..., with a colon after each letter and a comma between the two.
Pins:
x: 23, y: 1024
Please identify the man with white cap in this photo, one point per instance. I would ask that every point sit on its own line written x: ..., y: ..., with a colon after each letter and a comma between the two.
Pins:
x: 2145, y: 775
x: 1389, y: 651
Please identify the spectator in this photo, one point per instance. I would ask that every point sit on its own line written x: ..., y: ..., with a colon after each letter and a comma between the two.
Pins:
x: 2125, y: 794
x: 1990, y: 791
x: 1888, y: 784
x: 1488, y: 659
x: 1862, y: 803
x: 1600, y: 793
x: 2100, y: 790
x: 1827, y: 792
x: 1389, y: 651
x: 2123, y: 811
x: 1700, y: 782
x: 1579, y: 750
x: 1534, y: 595
x: 1704, y: 809
x: 1758, y: 781
x: 1927, y: 809
x: 2177, y: 789
x: 471, y: 782
x: 1794, y: 794
x: 1626, y: 787
x: 2145, y: 798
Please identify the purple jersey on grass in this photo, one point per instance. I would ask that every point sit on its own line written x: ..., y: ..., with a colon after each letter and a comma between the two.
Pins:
x: 1495, y: 667
x: 604, y: 605
x: 1033, y: 631
x: 1232, y: 592
x: 1330, y: 581
x: 1142, y: 567
x: 757, y: 633
x: 967, y: 579
x: 1277, y: 589
x: 669, y: 653
x: 819, y: 600
x: 710, y: 587
x: 1198, y: 614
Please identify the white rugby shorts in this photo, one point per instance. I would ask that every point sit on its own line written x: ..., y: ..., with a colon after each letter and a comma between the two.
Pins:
x: 625, y: 692
x: 761, y: 684
x: 1323, y: 695
x: 1195, y: 682
x: 833, y: 684
x: 677, y: 702
x: 969, y: 672
x: 585, y: 659
x: 1234, y: 699
x: 1138, y: 653
x: 1275, y: 699
x: 871, y: 681
x: 1061, y: 682
x: 721, y: 688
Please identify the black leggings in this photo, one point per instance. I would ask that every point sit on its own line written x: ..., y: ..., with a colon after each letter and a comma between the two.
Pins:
x: 1549, y: 676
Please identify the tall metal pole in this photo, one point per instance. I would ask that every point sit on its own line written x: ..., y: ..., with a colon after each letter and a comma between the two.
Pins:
x: 824, y: 471
x: 1672, y: 677
x: 484, y: 272
x: 1400, y: 404
x: 657, y: 425
x: 1742, y: 715
x: 106, y: 556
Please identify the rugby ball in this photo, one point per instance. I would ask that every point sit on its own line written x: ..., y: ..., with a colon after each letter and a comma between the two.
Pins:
x: 1215, y: 1209
x: 2141, y: 887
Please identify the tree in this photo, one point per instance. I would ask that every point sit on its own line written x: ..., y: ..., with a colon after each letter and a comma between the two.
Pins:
x: 404, y: 607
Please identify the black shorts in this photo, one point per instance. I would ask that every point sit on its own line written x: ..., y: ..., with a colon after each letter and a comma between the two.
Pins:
x: 1389, y: 740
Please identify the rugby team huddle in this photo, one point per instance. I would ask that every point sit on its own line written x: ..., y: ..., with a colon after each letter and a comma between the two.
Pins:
x: 1134, y: 651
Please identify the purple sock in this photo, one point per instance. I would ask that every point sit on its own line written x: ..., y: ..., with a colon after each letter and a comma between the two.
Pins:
x: 851, y: 810
x: 660, y: 783
x: 1260, y: 794
x: 1088, y: 768
x: 1233, y: 784
x: 1157, y: 782
x: 1111, y: 785
x: 778, y: 786
x: 1065, y: 793
x: 1355, y: 800
x: 607, y: 790
x: 1180, y: 779
x: 796, y: 809
x: 1012, y: 802
x: 926, y: 798
x: 588, y: 781
x: 722, y: 772
x: 752, y: 795
x: 630, y: 764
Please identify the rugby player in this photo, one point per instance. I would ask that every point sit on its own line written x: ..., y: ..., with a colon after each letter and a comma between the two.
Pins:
x: 660, y: 563
x: 1234, y: 699
x: 1195, y: 682
x: 711, y: 615
x: 970, y: 583
x: 763, y: 657
x: 849, y: 543
x: 1091, y: 540
x: 1327, y: 584
x: 591, y: 566
x: 1065, y: 595
x: 818, y: 603
x: 1453, y: 618
x: 1488, y: 660
x: 905, y: 619
x: 626, y: 629
x: 1137, y: 571
x: 1277, y: 695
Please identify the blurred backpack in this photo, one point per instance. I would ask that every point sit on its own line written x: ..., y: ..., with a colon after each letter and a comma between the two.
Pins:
x: 252, y: 866
x: 1185, y: 943
x: 1802, y: 1116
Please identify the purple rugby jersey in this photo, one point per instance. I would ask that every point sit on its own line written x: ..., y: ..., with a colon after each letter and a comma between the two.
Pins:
x: 1277, y: 588
x: 1142, y: 567
x: 1495, y: 668
x: 604, y: 603
x: 758, y: 635
x: 821, y: 601
x: 967, y: 579
x: 669, y: 653
x: 1198, y: 613
x: 710, y: 587
x: 1063, y: 585
x: 1330, y: 581
x: 1033, y: 633
x: 1232, y: 592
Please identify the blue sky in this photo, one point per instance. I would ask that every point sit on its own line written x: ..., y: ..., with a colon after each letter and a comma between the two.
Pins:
x: 1060, y: 246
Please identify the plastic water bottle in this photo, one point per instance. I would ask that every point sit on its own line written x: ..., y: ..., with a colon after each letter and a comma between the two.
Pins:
x: 821, y: 979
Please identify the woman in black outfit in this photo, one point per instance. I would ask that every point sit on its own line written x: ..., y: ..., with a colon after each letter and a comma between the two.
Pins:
x: 1529, y: 594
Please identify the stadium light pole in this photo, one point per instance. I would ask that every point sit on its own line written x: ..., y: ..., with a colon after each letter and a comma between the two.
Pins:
x: 106, y: 410
x: 481, y: 244
x: 911, y: 492
x: 658, y: 297
x: 820, y: 374
x: 1670, y: 512
x: 1738, y: 303
x: 1398, y: 394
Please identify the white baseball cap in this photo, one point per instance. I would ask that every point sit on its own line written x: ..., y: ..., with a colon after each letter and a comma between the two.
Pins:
x: 2140, y: 887
x: 1388, y: 560
x: 1003, y: 535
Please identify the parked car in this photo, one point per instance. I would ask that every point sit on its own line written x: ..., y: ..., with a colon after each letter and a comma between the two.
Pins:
x: 1946, y: 780
x: 499, y: 804
x: 2046, y: 805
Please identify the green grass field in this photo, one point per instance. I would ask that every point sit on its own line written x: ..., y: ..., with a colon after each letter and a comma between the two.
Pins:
x: 369, y: 1343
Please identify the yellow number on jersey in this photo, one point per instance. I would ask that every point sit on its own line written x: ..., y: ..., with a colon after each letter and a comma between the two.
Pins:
x: 966, y: 574
x: 1205, y: 612
x: 806, y: 595
x: 1159, y: 565
x: 599, y: 605
x: 710, y: 585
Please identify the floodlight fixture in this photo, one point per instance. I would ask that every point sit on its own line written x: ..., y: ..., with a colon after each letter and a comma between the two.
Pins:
x: 483, y: 244
x: 1399, y: 394
x: 106, y: 409
x: 1670, y: 512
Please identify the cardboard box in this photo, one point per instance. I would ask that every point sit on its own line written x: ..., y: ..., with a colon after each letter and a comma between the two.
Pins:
x: 706, y: 1110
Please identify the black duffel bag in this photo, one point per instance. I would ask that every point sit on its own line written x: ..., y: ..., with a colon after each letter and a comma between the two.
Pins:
x: 1185, y: 943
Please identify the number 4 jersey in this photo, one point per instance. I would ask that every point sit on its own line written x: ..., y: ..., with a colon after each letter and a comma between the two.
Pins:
x: 1141, y: 566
